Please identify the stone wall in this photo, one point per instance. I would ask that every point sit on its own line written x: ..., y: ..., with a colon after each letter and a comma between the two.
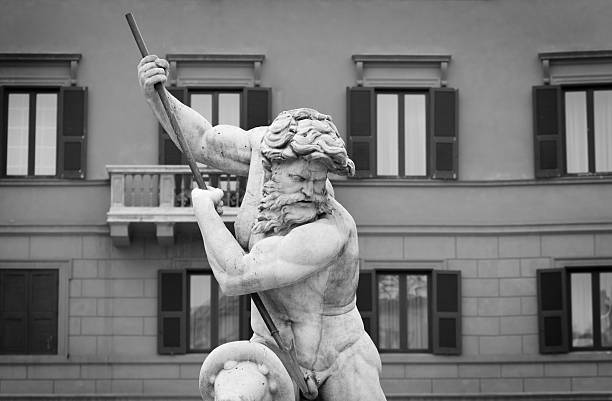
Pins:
x: 112, y: 319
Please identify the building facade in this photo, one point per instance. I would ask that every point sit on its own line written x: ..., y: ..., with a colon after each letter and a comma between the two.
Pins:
x: 482, y: 135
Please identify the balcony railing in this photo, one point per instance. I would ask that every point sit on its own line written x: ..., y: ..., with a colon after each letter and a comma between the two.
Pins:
x: 162, y: 195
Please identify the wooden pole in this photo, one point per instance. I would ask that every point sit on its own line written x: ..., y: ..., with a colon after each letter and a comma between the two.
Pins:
x: 293, y: 367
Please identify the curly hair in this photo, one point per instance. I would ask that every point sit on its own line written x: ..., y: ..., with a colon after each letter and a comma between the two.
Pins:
x: 308, y: 134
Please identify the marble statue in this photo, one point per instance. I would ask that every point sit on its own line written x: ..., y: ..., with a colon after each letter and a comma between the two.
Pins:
x: 244, y: 371
x: 295, y: 245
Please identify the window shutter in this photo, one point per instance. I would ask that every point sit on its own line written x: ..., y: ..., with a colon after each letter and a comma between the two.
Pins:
x: 246, y: 331
x: 3, y: 131
x: 443, y: 133
x: 169, y: 153
x: 552, y: 311
x: 42, y: 318
x: 548, y: 131
x: 446, y: 312
x: 256, y: 107
x: 172, y: 314
x: 366, y: 302
x: 361, y: 135
x: 13, y: 312
x: 72, y: 117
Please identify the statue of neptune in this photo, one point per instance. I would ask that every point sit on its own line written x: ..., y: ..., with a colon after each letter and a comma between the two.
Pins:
x: 295, y: 245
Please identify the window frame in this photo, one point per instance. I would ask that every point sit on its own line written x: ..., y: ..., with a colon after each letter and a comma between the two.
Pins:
x: 32, y: 91
x: 594, y: 272
x: 589, y: 90
x: 215, y: 92
x: 243, y: 317
x: 401, y: 149
x: 64, y: 269
x: 403, y: 340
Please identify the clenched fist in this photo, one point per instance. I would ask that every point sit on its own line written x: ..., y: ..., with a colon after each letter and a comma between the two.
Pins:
x: 152, y: 70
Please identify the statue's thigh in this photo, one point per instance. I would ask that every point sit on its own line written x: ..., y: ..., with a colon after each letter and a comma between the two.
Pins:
x: 357, y: 379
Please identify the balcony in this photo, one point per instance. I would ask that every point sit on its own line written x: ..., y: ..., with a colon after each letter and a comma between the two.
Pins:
x: 162, y: 195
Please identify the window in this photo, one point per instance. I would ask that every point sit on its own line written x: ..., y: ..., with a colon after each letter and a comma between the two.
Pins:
x: 573, y: 130
x: 588, y: 130
x: 31, y: 133
x: 411, y: 311
x: 591, y: 309
x: 207, y: 329
x: 402, y: 126
x: 42, y: 127
x: 195, y: 316
x: 401, y: 122
x: 29, y: 311
x: 225, y: 89
x: 575, y: 309
x: 223, y: 106
x: 573, y: 115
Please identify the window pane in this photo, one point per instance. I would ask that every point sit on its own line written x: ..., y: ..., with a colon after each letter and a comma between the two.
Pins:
x: 386, y: 134
x: 17, y: 134
x: 388, y: 312
x: 202, y: 103
x: 582, y: 310
x: 199, y: 311
x: 576, y: 132
x: 602, y: 108
x: 46, y: 134
x: 228, y: 318
x: 417, y: 322
x: 414, y: 131
x: 229, y: 108
x: 605, y: 283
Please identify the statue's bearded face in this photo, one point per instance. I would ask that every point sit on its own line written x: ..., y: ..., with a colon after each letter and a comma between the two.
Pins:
x: 295, y: 194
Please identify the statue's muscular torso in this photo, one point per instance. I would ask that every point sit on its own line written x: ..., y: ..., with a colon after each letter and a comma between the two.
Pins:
x: 318, y: 314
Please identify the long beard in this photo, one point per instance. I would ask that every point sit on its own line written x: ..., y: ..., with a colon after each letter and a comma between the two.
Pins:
x: 278, y: 211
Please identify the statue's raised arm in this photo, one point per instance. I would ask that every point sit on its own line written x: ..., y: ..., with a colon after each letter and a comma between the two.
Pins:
x: 225, y: 147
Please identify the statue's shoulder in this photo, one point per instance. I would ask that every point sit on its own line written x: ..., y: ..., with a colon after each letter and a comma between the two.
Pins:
x: 342, y: 217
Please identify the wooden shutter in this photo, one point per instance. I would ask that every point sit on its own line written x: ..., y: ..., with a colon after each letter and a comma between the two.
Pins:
x: 246, y: 331
x: 552, y: 311
x: 256, y: 107
x: 13, y: 311
x: 42, y: 313
x: 169, y: 153
x: 366, y: 302
x: 443, y: 160
x: 446, y: 312
x: 3, y: 130
x: 172, y: 314
x: 548, y: 131
x: 361, y: 133
x: 72, y: 147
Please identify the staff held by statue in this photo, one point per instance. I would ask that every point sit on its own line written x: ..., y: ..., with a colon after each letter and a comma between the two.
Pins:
x: 290, y: 359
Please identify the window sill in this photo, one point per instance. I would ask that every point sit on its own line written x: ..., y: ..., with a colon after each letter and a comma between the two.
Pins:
x: 416, y: 359
x: 386, y: 358
x: 104, y: 359
x: 428, y: 182
x: 47, y: 181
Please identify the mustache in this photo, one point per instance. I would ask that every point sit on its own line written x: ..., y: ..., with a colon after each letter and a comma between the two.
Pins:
x: 275, y: 208
x: 276, y: 200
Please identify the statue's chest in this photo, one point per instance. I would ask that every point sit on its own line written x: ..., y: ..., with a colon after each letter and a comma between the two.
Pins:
x: 295, y: 302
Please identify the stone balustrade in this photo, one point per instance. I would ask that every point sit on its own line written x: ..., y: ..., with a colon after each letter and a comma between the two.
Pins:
x: 162, y: 195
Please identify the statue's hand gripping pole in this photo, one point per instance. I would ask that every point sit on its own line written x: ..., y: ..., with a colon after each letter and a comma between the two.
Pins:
x: 159, y: 88
x: 292, y: 366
